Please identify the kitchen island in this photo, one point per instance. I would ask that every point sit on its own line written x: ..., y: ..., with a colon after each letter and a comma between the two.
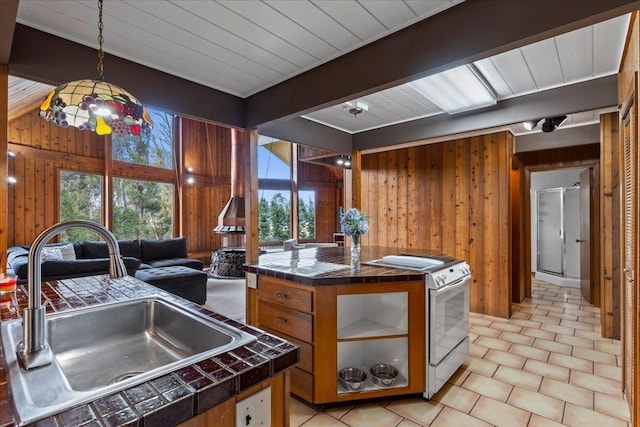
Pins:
x: 343, y: 314
x: 201, y: 394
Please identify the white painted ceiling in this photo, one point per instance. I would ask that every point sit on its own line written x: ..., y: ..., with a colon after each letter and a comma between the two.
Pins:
x: 237, y: 46
x: 577, y: 56
x: 244, y: 46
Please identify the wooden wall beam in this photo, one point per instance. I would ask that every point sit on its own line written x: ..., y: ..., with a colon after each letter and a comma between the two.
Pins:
x: 4, y: 187
x: 8, y: 13
x: 251, y: 194
x: 93, y: 164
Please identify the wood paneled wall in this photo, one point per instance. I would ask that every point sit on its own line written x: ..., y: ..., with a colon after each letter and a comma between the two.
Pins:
x: 43, y: 149
x: 207, y: 151
x: 610, y: 278
x: 4, y: 190
x: 451, y: 197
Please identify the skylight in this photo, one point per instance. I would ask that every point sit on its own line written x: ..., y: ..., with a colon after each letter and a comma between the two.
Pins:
x: 456, y: 90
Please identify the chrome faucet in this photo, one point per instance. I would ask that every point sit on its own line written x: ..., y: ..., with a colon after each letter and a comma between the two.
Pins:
x: 34, y: 351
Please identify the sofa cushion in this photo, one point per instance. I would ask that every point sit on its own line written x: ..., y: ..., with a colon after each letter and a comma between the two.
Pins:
x: 171, y: 262
x: 163, y: 249
x: 67, y: 251
x: 51, y: 254
x: 98, y: 249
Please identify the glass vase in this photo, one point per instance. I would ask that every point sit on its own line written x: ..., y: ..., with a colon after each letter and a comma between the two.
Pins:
x: 355, y: 247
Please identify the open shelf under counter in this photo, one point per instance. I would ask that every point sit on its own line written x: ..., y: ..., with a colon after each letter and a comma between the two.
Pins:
x: 370, y: 386
x: 367, y: 329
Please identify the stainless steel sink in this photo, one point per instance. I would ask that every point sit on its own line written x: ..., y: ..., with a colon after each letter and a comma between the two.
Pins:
x: 106, y: 348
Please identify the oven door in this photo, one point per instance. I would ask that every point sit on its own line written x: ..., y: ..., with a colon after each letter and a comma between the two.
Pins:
x: 448, y: 318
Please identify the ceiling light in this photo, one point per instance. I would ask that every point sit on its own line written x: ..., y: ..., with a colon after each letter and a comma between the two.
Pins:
x: 340, y: 161
x: 347, y: 163
x: 457, y: 90
x: 355, y: 107
x: 96, y: 105
x: 530, y: 124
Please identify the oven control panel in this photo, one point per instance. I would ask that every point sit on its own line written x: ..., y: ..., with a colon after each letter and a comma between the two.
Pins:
x: 449, y: 275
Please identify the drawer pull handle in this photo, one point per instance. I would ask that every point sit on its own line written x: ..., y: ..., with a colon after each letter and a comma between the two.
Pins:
x: 281, y: 295
x: 281, y: 320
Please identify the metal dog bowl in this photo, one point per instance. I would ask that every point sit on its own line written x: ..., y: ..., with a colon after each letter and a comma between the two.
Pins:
x: 384, y: 375
x: 352, y: 378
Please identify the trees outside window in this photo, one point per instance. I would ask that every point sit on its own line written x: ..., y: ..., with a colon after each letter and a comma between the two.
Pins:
x: 274, y: 213
x: 80, y: 198
x: 306, y: 215
x: 152, y: 149
x: 142, y: 209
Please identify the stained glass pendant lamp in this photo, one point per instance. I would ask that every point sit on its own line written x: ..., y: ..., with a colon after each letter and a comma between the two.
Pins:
x: 96, y: 105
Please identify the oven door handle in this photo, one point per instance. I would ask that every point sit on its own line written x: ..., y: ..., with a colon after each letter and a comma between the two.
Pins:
x: 458, y: 283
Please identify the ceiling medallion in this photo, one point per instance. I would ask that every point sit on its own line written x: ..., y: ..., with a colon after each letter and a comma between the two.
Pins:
x: 355, y: 107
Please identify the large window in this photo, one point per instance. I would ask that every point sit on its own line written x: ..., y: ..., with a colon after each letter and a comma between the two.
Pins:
x: 80, y: 198
x: 274, y: 203
x: 306, y: 215
x: 142, y: 209
x: 152, y: 149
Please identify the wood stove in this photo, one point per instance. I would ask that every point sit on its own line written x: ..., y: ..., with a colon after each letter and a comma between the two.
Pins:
x: 228, y: 261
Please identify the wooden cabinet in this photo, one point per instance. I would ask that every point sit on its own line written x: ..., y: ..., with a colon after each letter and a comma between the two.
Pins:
x: 355, y: 325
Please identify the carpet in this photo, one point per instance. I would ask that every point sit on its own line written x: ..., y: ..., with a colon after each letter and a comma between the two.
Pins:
x: 227, y: 297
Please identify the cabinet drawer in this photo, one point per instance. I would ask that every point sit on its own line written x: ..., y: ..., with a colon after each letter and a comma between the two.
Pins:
x: 295, y: 298
x: 306, y: 350
x: 302, y: 384
x: 289, y: 322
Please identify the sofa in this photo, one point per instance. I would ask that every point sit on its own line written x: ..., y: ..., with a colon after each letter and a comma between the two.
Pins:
x: 162, y: 263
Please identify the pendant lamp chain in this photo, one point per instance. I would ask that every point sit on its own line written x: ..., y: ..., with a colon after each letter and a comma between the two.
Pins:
x: 96, y: 105
x: 100, y: 42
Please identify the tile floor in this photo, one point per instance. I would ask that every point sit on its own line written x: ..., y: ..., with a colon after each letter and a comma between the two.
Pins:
x: 546, y: 366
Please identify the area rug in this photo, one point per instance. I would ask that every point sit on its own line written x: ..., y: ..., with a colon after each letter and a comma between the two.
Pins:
x: 227, y: 297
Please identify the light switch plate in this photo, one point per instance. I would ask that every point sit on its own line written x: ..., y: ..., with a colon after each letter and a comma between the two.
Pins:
x: 255, y: 410
x: 252, y: 280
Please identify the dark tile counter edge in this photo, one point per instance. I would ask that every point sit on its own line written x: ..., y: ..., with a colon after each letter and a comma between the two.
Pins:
x: 280, y: 264
x: 166, y: 400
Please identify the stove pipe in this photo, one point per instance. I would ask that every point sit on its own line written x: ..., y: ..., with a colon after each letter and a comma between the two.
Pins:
x: 231, y: 219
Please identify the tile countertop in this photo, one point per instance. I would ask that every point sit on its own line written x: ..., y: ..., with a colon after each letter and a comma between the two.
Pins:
x: 332, y: 265
x: 166, y: 400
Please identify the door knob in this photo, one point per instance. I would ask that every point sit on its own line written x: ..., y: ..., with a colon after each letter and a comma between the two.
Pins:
x: 579, y: 241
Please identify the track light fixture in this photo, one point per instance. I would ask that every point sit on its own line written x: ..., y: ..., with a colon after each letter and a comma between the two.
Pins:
x: 552, y: 123
x: 548, y: 125
x: 343, y: 162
